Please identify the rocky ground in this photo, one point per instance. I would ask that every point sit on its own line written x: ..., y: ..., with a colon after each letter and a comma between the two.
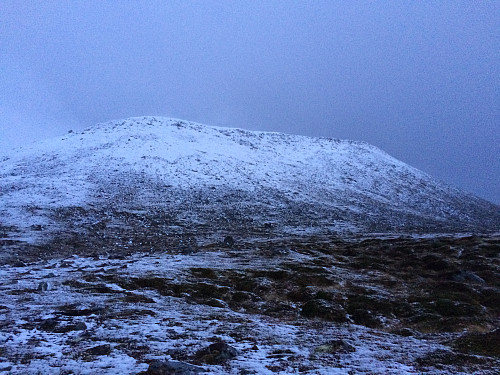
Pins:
x: 260, y: 305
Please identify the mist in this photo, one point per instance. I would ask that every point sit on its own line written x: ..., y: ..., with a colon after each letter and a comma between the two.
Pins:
x: 419, y: 80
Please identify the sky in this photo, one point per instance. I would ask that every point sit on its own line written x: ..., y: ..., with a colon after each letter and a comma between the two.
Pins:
x: 419, y: 79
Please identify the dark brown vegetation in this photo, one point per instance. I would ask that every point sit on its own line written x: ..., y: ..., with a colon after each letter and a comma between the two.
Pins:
x: 444, y: 289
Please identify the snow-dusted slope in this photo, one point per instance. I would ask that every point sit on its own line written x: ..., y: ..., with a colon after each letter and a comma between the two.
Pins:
x: 220, y: 178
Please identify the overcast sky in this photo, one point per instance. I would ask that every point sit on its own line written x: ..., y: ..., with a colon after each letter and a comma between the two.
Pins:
x: 419, y: 79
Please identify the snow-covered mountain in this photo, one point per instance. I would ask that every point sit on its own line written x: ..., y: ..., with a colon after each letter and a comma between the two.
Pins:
x: 181, y: 176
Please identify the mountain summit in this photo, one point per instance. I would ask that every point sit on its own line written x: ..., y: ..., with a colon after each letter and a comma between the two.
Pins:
x: 182, y: 176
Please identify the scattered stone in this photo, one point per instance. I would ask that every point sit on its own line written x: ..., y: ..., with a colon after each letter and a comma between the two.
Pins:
x: 336, y: 346
x: 80, y: 326
x: 49, y: 276
x: 72, y: 310
x: 99, y: 350
x: 228, y: 241
x: 172, y: 368
x: 455, y: 306
x: 214, y: 302
x: 18, y: 263
x: 43, y: 286
x: 137, y: 298
x: 468, y: 276
x: 134, y: 313
x: 365, y: 318
x: 216, y: 354
x: 187, y: 245
x: 248, y: 372
x: 406, y: 332
x: 48, y: 325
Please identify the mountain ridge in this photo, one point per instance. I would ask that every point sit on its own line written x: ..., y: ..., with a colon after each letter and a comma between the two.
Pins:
x: 228, y: 180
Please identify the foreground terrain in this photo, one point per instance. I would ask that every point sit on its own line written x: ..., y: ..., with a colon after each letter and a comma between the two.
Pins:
x: 311, y: 305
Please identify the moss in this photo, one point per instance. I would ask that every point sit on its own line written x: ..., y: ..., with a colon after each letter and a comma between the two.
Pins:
x: 365, y: 261
x: 205, y: 290
x: 402, y: 309
x: 305, y: 269
x: 301, y: 294
x: 440, y: 359
x: 133, y: 313
x: 73, y: 310
x: 315, y: 280
x: 487, y: 344
x: 452, y: 290
x: 436, y: 263
x: 157, y: 283
x: 447, y: 308
x: 432, y: 323
x: 244, y: 282
x: 278, y: 275
x: 323, y: 310
x: 137, y: 298
x: 490, y: 297
x: 213, y: 302
x: 278, y: 310
x: 321, y: 294
x: 241, y: 296
x: 206, y: 273
x: 365, y: 318
x: 370, y: 303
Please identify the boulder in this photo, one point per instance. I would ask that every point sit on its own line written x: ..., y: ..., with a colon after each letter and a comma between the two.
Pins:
x: 172, y: 368
x: 336, y: 346
x: 216, y: 354
x: 228, y: 241
x: 99, y: 350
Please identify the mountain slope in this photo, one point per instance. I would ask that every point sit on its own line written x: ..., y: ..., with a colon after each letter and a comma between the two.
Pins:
x: 181, y: 176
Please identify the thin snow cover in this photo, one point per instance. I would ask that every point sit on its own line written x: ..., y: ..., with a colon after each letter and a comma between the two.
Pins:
x: 146, y: 161
x: 146, y: 202
x: 170, y: 325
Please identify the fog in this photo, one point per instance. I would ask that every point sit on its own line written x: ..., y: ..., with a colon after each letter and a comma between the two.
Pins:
x: 421, y: 80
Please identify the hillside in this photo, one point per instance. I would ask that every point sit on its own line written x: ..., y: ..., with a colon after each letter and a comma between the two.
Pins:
x: 185, y: 177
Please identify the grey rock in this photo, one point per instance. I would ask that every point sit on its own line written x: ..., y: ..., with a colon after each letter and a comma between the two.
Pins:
x: 336, y: 346
x: 48, y: 325
x: 172, y: 368
x: 228, y: 241
x: 187, y: 245
x: 43, y: 286
x: 80, y: 326
x: 99, y: 350
x: 216, y: 354
x: 18, y: 263
x: 468, y: 276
